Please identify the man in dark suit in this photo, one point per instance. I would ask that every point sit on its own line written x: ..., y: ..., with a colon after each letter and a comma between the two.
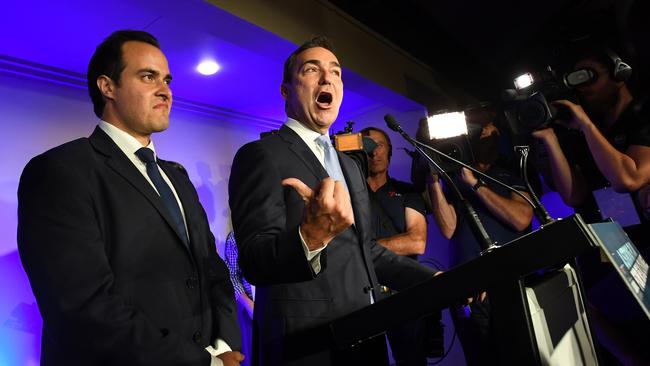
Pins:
x: 116, y: 245
x: 301, y: 217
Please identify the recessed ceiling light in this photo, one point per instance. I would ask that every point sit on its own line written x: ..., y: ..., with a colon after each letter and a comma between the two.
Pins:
x: 208, y: 67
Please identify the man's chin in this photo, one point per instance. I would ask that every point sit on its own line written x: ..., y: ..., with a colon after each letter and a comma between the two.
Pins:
x: 326, y: 119
x: 160, y: 126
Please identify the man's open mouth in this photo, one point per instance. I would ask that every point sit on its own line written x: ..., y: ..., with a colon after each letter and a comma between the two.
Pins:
x: 324, y: 98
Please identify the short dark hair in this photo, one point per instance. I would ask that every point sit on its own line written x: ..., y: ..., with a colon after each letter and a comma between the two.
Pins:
x: 366, y: 132
x: 107, y: 60
x: 598, y: 51
x: 317, y: 41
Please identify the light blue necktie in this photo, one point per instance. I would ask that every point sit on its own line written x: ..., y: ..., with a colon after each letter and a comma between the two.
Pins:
x: 332, y: 165
x: 333, y: 168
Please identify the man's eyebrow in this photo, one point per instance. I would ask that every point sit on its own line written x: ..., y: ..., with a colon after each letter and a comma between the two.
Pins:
x: 153, y: 72
x: 317, y: 62
x: 148, y: 71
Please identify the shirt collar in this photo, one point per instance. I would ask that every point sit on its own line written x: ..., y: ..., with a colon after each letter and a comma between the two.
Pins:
x: 127, y: 143
x: 308, y: 135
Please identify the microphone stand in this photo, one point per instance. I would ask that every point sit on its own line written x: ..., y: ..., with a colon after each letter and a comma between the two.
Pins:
x: 539, y: 209
x: 486, y: 243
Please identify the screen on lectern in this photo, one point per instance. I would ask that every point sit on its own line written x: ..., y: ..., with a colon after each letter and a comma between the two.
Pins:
x: 625, y: 256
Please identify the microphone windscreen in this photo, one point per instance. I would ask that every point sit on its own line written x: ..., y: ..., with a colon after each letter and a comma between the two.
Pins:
x: 392, y: 123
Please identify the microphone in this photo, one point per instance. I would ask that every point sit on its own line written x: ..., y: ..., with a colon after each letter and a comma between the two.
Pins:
x: 392, y: 123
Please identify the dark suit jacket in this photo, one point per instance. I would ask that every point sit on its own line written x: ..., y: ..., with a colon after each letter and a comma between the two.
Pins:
x: 113, y: 280
x: 289, y: 296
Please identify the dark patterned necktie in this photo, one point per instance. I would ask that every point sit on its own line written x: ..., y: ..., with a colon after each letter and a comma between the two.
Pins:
x: 166, y: 194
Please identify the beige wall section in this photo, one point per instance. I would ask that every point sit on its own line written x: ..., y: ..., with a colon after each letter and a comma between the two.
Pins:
x: 358, y: 48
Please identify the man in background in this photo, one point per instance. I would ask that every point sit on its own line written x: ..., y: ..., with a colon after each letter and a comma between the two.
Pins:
x: 504, y: 214
x: 400, y: 225
x: 603, y: 161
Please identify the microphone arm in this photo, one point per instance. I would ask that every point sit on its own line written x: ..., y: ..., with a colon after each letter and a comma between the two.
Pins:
x: 480, y: 173
x: 486, y: 243
x: 539, y: 209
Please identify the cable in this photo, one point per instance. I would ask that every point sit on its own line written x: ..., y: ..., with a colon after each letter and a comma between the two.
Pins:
x: 451, y: 345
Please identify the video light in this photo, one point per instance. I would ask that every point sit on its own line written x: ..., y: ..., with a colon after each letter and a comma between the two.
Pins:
x: 523, y: 81
x: 446, y: 125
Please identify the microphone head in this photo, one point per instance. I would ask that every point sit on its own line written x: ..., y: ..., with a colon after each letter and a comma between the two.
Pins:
x: 392, y: 123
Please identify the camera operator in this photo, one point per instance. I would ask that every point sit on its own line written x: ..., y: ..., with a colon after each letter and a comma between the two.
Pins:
x: 612, y: 147
x: 608, y: 145
x: 504, y: 214
x: 405, y: 231
x: 400, y: 225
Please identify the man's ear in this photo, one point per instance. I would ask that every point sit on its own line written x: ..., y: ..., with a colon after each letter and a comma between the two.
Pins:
x: 284, y: 90
x: 106, y: 86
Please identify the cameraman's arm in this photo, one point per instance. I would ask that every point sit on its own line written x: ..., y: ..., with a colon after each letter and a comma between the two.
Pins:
x: 568, y: 181
x: 514, y: 211
x: 443, y: 212
x: 627, y: 172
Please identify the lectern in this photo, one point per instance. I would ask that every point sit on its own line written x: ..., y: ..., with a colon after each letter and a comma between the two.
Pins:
x: 528, y: 283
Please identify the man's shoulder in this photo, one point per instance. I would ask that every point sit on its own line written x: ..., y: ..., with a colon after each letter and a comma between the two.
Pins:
x: 270, y: 142
x: 71, y: 150
x: 62, y: 165
x: 631, y: 128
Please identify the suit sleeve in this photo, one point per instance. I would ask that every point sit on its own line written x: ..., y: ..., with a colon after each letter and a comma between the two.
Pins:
x: 269, y: 251
x: 396, y: 271
x: 63, y: 251
x: 222, y: 293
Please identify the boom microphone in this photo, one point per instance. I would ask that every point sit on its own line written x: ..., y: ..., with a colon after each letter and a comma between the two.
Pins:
x: 392, y: 123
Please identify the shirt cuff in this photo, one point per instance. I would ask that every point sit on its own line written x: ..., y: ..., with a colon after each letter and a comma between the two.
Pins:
x: 220, y: 346
x: 313, y: 256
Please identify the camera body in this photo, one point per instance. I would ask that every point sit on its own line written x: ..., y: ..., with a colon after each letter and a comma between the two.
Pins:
x: 529, y: 107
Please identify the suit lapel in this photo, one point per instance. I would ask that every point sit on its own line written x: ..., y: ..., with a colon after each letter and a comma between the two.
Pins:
x: 304, y: 153
x: 117, y: 161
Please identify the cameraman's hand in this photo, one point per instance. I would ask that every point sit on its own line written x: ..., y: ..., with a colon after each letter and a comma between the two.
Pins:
x: 432, y: 176
x: 422, y: 133
x: 577, y: 119
x: 468, y: 177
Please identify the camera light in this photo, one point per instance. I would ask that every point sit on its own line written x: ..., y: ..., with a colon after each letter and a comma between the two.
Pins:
x: 523, y: 81
x: 446, y: 125
x: 208, y: 67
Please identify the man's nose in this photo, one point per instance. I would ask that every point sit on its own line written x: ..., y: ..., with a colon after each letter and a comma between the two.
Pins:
x: 325, y: 78
x: 164, y: 91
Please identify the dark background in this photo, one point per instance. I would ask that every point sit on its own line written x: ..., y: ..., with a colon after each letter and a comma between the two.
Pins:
x: 480, y: 46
